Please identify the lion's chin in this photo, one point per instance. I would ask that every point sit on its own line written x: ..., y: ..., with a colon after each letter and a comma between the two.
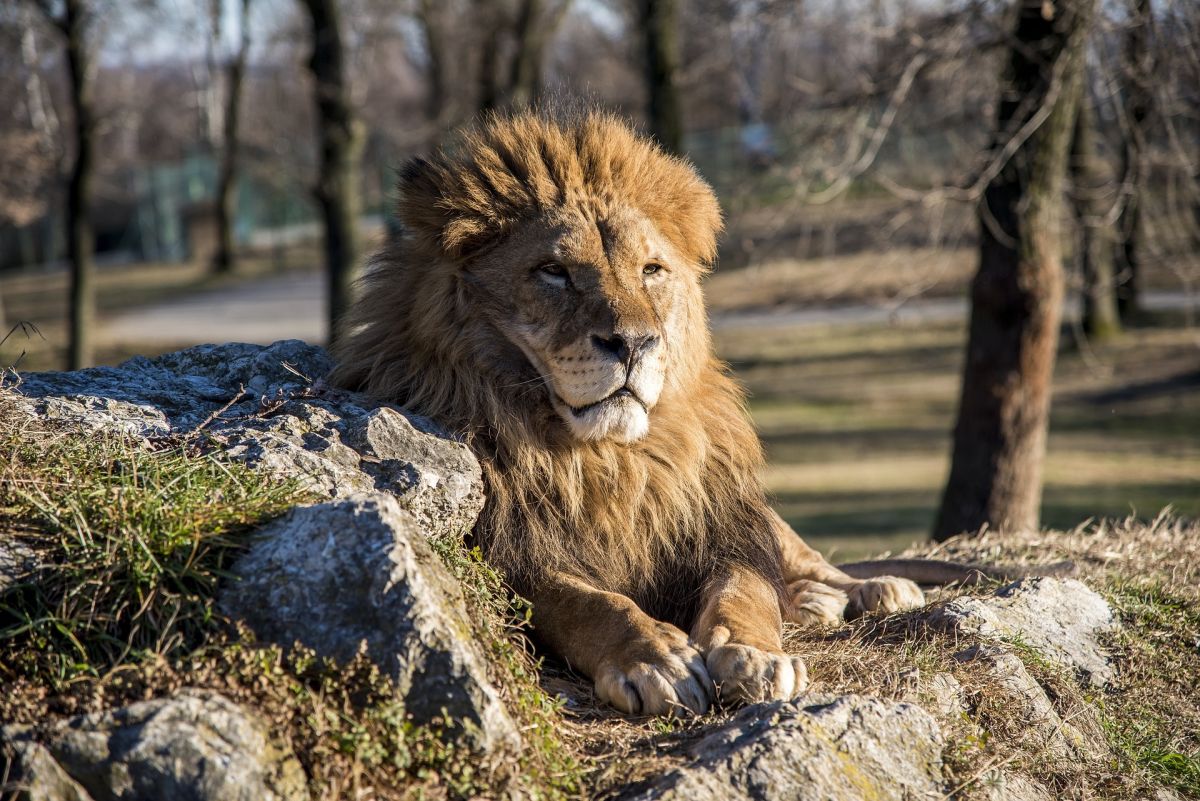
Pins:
x: 619, y: 419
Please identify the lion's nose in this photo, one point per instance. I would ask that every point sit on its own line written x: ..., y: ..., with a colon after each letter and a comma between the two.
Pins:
x: 624, y: 346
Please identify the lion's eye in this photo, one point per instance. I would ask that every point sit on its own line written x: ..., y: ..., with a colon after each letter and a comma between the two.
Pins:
x: 651, y: 268
x: 554, y: 273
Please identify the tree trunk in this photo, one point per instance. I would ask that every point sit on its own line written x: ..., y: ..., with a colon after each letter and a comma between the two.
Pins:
x: 80, y: 244
x: 659, y: 21
x: 341, y: 145
x: 1016, y: 296
x: 1093, y: 194
x: 435, y: 104
x: 489, y: 19
x: 525, y: 75
x: 223, y: 260
x: 1133, y: 162
x: 534, y: 31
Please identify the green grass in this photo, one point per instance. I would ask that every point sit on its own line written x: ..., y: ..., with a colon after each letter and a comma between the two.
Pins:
x: 134, y: 542
x: 857, y: 421
x: 504, y: 619
x: 1147, y: 728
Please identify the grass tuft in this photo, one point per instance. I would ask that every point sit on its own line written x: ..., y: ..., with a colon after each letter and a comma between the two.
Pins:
x: 131, y: 544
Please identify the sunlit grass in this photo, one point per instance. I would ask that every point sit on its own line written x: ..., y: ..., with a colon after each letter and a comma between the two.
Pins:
x: 857, y: 424
x: 132, y: 544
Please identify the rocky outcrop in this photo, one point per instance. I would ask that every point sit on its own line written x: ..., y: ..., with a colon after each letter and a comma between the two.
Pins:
x: 1063, y: 620
x: 354, y: 573
x: 359, y: 574
x: 196, y: 746
x: 267, y: 407
x: 814, y: 749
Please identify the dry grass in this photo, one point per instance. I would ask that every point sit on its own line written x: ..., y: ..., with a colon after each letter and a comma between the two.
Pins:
x: 1139, y: 736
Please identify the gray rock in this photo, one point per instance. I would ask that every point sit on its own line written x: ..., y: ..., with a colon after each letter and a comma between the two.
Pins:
x: 31, y: 774
x: 196, y: 746
x: 18, y: 563
x: 1000, y: 785
x: 1063, y: 620
x: 1023, y: 699
x: 171, y: 393
x: 334, y: 443
x: 343, y: 447
x: 846, y: 748
x: 357, y: 573
x: 945, y: 695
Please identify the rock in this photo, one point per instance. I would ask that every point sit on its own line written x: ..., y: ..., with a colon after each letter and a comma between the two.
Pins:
x: 18, y: 563
x: 849, y: 748
x: 172, y: 393
x: 333, y: 443
x: 945, y: 695
x: 196, y: 746
x: 343, y: 447
x: 1063, y: 620
x: 1000, y: 785
x: 1010, y: 685
x: 32, y: 775
x: 344, y: 573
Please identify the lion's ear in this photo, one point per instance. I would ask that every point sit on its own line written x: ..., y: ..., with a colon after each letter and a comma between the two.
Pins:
x: 431, y: 208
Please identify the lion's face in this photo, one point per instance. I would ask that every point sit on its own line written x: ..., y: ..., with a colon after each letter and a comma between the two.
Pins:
x: 594, y: 300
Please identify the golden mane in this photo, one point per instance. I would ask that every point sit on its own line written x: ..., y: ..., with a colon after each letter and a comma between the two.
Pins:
x: 643, y: 519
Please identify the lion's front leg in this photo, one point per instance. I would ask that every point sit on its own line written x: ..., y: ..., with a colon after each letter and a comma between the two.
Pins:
x: 818, y: 591
x: 640, y: 665
x: 740, y: 632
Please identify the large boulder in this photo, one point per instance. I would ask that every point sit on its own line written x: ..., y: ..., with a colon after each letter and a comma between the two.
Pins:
x: 1063, y: 620
x: 267, y: 407
x: 852, y: 748
x: 358, y: 574
x: 196, y: 746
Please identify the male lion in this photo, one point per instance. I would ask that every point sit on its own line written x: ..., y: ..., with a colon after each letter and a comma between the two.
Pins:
x: 544, y: 302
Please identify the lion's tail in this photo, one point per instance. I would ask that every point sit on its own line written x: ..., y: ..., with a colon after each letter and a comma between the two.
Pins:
x: 934, y: 572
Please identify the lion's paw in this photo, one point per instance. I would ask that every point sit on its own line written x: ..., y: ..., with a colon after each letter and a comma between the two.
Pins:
x: 745, y: 674
x: 661, y: 674
x: 811, y: 603
x: 885, y: 594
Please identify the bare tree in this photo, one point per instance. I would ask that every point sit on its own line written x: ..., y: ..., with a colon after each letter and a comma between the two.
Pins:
x: 490, y: 20
x: 1016, y: 296
x: 1136, y: 113
x: 1093, y: 195
x: 429, y: 14
x: 235, y: 70
x: 530, y: 26
x: 340, y: 138
x: 535, y: 28
x: 73, y: 22
x: 659, y: 23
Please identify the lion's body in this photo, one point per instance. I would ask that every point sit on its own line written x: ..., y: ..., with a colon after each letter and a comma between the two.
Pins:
x: 619, y: 460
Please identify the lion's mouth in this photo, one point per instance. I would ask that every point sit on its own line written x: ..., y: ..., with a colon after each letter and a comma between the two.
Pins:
x: 620, y: 395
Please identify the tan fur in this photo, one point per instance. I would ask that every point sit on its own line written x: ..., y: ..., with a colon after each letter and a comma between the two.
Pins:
x: 626, y: 520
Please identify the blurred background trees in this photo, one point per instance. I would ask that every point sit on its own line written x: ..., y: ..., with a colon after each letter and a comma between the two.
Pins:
x: 871, y: 157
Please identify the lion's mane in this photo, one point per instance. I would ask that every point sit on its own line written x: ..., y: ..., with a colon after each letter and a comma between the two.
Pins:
x: 650, y: 519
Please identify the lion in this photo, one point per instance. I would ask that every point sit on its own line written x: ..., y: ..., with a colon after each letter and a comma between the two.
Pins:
x: 544, y: 303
